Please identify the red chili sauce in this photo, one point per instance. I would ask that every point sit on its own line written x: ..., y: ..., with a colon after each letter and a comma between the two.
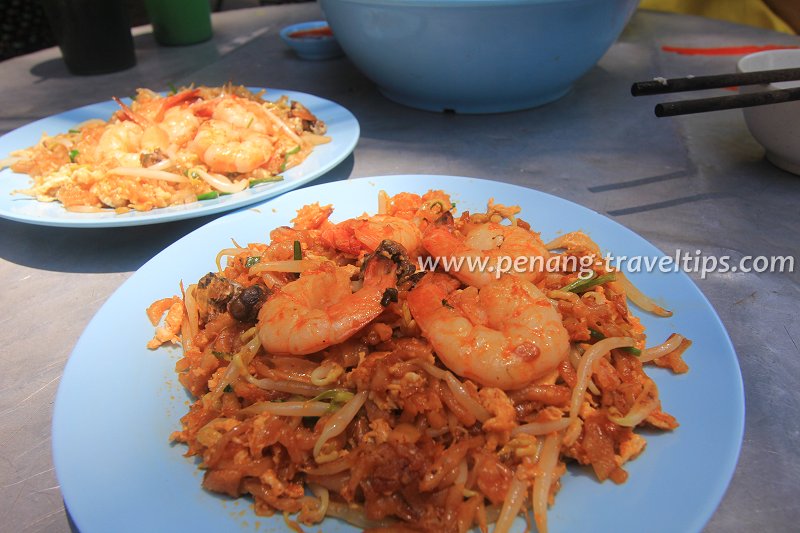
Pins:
x: 726, y: 50
x: 313, y: 33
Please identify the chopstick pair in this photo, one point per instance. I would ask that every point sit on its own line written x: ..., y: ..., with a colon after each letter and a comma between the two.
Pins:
x: 702, y: 105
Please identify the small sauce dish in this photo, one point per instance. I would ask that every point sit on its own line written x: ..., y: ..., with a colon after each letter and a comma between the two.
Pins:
x: 312, y: 40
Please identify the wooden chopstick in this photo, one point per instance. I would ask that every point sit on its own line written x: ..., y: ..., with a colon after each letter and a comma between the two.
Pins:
x: 719, y: 103
x: 699, y: 83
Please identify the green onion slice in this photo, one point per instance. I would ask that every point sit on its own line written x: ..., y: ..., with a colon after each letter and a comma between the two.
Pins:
x: 336, y: 396
x: 208, y: 195
x: 596, y: 335
x: 253, y: 183
x: 583, y: 285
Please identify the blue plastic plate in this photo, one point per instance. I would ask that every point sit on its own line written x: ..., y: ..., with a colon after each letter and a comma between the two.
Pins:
x: 118, y: 402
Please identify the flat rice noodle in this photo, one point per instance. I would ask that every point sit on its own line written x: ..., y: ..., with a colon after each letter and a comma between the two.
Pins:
x: 355, y: 515
x: 335, y: 483
x: 264, y: 494
x: 585, y: 367
x: 598, y: 442
x: 467, y: 512
x: 557, y: 395
x: 266, y: 432
x: 223, y: 481
x: 216, y: 452
x: 463, y: 415
x: 492, y: 477
x: 447, y: 463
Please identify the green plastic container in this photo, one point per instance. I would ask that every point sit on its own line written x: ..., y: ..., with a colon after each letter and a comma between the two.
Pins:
x: 180, y: 22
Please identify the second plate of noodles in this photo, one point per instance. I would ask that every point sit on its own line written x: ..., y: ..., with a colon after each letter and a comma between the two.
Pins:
x: 392, y: 370
x: 162, y: 157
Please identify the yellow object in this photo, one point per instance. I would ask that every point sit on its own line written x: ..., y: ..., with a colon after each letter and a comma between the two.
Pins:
x: 751, y: 12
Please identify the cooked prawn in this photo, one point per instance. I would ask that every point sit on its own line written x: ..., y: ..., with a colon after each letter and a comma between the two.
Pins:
x: 506, y: 334
x: 243, y: 114
x: 320, y: 309
x: 164, y: 120
x: 364, y: 234
x: 226, y: 148
x: 489, y: 245
x: 180, y: 124
x: 120, y: 142
x: 150, y: 107
x: 173, y: 307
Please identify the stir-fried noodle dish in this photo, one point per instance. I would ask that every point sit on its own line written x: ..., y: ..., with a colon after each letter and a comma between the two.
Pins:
x: 337, y: 373
x: 192, y: 144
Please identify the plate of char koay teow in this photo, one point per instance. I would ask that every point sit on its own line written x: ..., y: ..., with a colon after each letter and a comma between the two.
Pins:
x: 163, y: 156
x: 400, y: 353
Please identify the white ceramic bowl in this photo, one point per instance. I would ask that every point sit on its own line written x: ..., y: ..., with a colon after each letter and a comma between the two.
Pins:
x: 777, y: 126
x: 476, y: 56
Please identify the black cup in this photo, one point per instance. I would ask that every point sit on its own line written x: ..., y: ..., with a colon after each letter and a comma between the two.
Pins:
x: 94, y: 35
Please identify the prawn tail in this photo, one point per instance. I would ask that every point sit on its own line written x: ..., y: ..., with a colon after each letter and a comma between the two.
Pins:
x: 130, y: 114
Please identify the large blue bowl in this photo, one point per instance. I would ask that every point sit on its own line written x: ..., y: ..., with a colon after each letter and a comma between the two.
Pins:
x: 476, y: 56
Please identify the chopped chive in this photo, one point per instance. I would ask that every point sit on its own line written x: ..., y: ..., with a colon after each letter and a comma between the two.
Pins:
x: 72, y: 155
x: 583, y: 285
x: 252, y: 260
x: 571, y: 287
x: 596, y: 335
x: 253, y: 183
x: 298, y: 251
x: 208, y: 195
x: 334, y: 395
x: 286, y: 157
x: 593, y: 333
x: 221, y: 355
x: 172, y: 89
x: 73, y: 131
x: 250, y: 122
